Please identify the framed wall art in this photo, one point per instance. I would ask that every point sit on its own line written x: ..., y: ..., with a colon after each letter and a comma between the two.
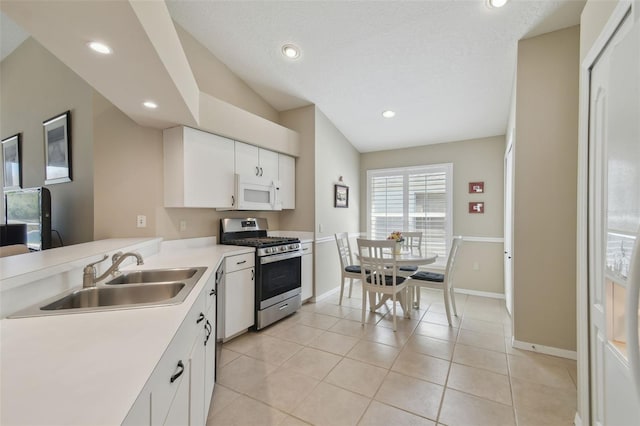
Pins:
x: 12, y: 162
x: 57, y: 149
x: 476, y: 187
x: 341, y: 195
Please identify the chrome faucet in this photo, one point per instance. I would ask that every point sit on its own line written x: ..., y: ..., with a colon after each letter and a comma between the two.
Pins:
x: 89, y: 274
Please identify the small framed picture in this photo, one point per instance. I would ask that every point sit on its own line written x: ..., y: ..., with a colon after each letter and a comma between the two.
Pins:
x: 341, y: 193
x: 476, y: 187
x: 476, y: 207
x: 57, y: 149
x: 12, y: 162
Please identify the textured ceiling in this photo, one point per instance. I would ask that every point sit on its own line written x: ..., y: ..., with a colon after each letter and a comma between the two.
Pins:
x: 445, y: 67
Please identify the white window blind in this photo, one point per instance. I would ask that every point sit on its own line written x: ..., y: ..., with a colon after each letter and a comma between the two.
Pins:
x: 412, y: 199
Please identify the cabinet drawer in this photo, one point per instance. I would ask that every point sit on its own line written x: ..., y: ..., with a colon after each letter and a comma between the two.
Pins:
x: 163, y: 390
x: 236, y: 263
x: 307, y: 248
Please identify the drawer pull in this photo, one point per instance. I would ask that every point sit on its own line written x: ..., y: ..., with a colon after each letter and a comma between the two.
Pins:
x: 200, y: 318
x: 283, y: 306
x: 305, y: 249
x: 240, y: 263
x: 179, y: 373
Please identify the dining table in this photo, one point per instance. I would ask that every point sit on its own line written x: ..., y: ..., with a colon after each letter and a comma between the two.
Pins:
x: 404, y: 258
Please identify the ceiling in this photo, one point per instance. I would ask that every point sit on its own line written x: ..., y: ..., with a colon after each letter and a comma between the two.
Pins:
x: 446, y: 68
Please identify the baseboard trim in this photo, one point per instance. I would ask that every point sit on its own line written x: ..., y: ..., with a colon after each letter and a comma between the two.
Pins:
x: 479, y: 293
x: 326, y: 295
x: 577, y: 421
x: 548, y: 350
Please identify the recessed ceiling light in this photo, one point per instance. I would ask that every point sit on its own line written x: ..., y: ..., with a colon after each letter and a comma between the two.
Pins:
x: 291, y: 51
x: 150, y: 105
x: 496, y: 3
x: 388, y: 114
x: 99, y: 47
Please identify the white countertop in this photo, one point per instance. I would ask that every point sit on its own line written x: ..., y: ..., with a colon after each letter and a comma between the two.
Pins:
x: 82, y: 369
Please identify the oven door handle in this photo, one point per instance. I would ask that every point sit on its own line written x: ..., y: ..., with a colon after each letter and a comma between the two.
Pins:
x: 278, y: 257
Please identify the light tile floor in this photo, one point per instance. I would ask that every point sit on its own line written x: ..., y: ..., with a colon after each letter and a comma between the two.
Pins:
x: 321, y: 366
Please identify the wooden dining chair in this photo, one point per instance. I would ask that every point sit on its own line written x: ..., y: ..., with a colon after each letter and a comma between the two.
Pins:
x: 349, y: 270
x: 378, y: 257
x: 439, y: 281
x: 412, y: 243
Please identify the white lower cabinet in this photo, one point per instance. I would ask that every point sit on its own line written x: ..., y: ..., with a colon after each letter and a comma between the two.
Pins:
x: 239, y: 295
x: 307, y: 271
x: 179, y: 389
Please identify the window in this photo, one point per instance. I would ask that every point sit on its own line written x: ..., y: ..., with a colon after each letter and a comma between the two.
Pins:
x: 412, y: 199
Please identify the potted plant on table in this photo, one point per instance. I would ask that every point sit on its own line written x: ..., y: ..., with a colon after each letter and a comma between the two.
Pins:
x: 398, y: 238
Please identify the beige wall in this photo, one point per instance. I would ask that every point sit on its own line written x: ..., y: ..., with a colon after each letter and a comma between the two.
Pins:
x: 35, y: 87
x: 325, y: 156
x: 479, y: 265
x: 473, y: 160
x: 302, y: 218
x: 545, y: 190
x: 217, y: 79
x: 127, y: 173
x: 335, y: 157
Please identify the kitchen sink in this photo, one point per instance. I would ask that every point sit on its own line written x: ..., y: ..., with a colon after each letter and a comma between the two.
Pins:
x: 154, y: 276
x: 139, y: 289
x: 113, y: 296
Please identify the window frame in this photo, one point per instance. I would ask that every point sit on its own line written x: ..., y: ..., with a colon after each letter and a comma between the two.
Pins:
x: 447, y: 168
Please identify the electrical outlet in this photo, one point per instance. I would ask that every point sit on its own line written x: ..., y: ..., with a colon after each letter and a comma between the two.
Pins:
x: 141, y: 221
x: 183, y: 225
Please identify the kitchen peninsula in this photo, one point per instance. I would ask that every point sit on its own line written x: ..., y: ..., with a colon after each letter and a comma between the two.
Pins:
x: 98, y: 367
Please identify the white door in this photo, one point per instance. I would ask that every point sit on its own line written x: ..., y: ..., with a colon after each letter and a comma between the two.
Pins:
x: 508, y: 225
x: 614, y: 218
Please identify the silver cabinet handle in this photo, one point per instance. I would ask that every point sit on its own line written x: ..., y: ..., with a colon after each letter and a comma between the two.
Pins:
x: 241, y: 262
x: 260, y: 171
x: 257, y: 171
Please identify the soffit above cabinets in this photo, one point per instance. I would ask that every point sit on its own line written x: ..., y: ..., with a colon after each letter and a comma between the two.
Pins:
x: 147, y: 62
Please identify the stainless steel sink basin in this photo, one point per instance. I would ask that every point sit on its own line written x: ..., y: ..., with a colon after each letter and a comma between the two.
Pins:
x: 154, y: 276
x: 139, y: 292
x: 112, y: 296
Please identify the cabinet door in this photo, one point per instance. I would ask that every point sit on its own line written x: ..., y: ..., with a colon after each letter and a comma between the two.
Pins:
x: 197, y: 414
x: 208, y: 171
x: 268, y: 163
x: 239, y: 301
x: 287, y: 178
x: 198, y: 169
x: 307, y: 271
x: 140, y: 413
x: 246, y: 159
x: 178, y: 414
x: 210, y: 358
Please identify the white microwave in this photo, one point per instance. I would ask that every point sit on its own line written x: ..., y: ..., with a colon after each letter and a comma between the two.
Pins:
x: 256, y: 193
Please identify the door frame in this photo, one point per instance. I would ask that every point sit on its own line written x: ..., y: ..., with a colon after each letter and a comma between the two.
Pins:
x: 508, y: 224
x: 583, y: 414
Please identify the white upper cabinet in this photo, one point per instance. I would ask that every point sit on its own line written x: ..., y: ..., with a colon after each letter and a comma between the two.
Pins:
x: 287, y: 178
x: 253, y: 161
x: 198, y: 169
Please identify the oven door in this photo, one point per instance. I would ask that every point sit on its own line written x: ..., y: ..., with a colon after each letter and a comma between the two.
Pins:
x: 279, y: 277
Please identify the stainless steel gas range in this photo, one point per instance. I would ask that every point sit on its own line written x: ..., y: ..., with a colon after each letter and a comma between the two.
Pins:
x: 278, y: 267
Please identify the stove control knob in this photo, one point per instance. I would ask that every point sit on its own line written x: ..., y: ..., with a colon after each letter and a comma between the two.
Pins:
x: 283, y: 248
x: 267, y: 250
